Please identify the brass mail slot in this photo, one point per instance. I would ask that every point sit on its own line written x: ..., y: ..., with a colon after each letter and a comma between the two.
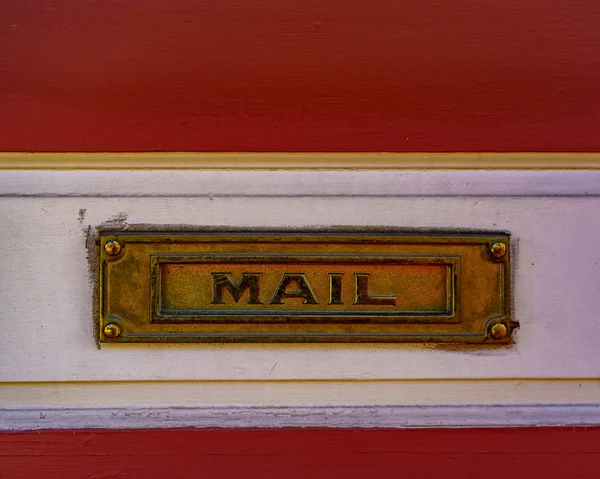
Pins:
x: 305, y: 287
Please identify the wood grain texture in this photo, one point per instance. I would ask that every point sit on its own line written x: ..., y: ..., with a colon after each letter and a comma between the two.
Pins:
x: 227, y: 75
x: 300, y: 453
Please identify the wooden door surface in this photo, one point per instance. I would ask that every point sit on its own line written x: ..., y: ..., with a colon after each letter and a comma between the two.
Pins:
x: 456, y: 78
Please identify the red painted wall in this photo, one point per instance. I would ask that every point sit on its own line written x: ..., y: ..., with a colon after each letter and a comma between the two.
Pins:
x: 289, y: 75
x: 301, y: 453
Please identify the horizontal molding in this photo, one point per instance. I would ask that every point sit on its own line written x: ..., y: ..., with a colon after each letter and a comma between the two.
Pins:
x: 280, y: 393
x: 276, y: 417
x: 211, y: 183
x: 296, y: 161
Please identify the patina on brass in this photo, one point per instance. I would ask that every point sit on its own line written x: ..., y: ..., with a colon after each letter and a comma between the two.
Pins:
x: 498, y: 250
x: 112, y: 248
x: 112, y: 330
x: 498, y: 331
x: 305, y: 287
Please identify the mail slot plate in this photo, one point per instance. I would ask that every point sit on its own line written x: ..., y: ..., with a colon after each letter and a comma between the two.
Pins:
x: 304, y: 287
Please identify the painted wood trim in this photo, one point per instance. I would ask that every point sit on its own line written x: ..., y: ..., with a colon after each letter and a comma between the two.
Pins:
x: 23, y: 419
x: 299, y: 183
x: 296, y: 393
x: 299, y: 161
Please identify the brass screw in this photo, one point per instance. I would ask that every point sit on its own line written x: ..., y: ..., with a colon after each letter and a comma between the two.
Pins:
x: 112, y: 248
x: 498, y: 331
x: 112, y: 330
x: 498, y: 250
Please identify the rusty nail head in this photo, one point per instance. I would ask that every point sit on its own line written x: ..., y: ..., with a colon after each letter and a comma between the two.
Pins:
x: 499, y: 331
x: 498, y: 250
x: 112, y: 330
x: 112, y: 248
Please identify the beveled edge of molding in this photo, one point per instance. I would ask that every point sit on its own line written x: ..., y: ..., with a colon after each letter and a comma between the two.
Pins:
x: 497, y: 415
x: 297, y: 161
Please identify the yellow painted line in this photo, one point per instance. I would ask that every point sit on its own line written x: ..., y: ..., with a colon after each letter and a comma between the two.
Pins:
x: 298, y: 161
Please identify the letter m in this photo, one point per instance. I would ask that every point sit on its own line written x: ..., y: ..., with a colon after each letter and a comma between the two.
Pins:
x: 223, y: 281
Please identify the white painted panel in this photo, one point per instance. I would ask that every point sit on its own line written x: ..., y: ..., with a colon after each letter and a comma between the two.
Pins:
x: 46, y: 302
x: 301, y: 183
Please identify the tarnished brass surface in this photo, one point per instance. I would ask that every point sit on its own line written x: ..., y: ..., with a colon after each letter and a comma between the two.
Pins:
x: 305, y: 287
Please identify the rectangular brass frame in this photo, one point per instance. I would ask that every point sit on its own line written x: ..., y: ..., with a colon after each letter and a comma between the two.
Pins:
x: 447, y: 288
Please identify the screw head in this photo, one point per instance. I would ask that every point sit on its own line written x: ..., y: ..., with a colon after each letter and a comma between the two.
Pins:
x: 498, y: 331
x: 498, y: 250
x: 112, y: 330
x: 112, y: 248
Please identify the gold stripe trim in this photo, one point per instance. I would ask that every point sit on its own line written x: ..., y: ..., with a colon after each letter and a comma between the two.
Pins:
x: 298, y: 161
